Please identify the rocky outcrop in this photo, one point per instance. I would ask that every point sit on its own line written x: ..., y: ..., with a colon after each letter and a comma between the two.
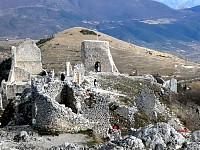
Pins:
x: 129, y: 142
x: 160, y: 135
x: 127, y: 112
x: 191, y: 146
x: 196, y: 136
x: 145, y: 100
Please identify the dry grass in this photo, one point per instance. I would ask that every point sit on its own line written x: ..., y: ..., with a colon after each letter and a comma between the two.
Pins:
x: 66, y: 46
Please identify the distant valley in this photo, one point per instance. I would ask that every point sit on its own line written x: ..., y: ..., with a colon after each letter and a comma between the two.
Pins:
x: 145, y: 23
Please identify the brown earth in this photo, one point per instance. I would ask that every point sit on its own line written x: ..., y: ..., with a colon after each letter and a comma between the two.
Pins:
x: 66, y: 46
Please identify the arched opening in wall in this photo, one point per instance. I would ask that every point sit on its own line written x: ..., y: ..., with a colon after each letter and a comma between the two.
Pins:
x: 97, y: 66
x: 43, y: 73
x: 66, y: 97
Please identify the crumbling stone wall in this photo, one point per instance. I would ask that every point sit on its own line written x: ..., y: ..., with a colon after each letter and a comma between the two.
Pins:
x: 94, y: 108
x: 15, y: 89
x: 67, y: 97
x: 26, y: 62
x: 98, y: 115
x: 28, y: 57
x: 49, y: 115
x: 21, y: 75
x: 97, y: 51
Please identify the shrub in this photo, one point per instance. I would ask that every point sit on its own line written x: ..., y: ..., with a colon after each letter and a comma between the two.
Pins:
x: 42, y: 41
x: 87, y: 32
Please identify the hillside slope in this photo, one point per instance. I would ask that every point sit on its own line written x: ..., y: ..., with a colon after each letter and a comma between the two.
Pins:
x: 66, y: 46
x: 145, y: 23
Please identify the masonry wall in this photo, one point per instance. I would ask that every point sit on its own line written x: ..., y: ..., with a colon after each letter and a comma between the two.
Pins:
x: 28, y: 57
x: 13, y: 89
x: 98, y: 115
x: 49, y: 115
x: 21, y: 75
x: 94, y: 51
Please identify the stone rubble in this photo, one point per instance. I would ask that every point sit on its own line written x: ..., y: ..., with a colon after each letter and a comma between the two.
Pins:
x: 77, y: 103
x: 159, y: 135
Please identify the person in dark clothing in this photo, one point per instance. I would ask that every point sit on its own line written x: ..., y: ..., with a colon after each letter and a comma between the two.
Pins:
x: 95, y: 82
x: 62, y: 77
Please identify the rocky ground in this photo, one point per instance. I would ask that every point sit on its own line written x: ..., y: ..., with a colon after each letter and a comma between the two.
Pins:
x: 152, y: 123
x: 156, y: 137
x: 24, y: 137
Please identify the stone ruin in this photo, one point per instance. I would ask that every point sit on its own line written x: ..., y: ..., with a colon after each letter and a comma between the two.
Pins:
x: 171, y: 85
x: 96, y: 56
x: 53, y: 107
x: 26, y: 62
x: 53, y: 102
x: 68, y: 69
x: 79, y: 73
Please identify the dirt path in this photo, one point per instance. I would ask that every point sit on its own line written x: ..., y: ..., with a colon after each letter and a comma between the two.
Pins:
x: 34, y: 140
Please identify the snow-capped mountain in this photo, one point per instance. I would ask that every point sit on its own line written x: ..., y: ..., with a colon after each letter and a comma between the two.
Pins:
x: 177, y: 4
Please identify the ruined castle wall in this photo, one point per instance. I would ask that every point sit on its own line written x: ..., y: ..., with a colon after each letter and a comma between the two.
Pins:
x: 11, y: 77
x: 146, y: 101
x: 14, y: 89
x: 28, y: 57
x: 96, y: 110
x: 51, y: 116
x: 98, y: 117
x: 97, y: 51
x: 31, y: 66
x: 21, y: 75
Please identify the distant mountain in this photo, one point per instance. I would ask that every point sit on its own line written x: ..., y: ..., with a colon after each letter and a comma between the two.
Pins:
x: 180, y: 3
x: 9, y: 4
x: 194, y: 9
x: 143, y: 22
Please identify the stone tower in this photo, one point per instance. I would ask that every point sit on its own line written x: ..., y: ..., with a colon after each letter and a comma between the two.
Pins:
x: 96, y: 56
x: 26, y: 62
